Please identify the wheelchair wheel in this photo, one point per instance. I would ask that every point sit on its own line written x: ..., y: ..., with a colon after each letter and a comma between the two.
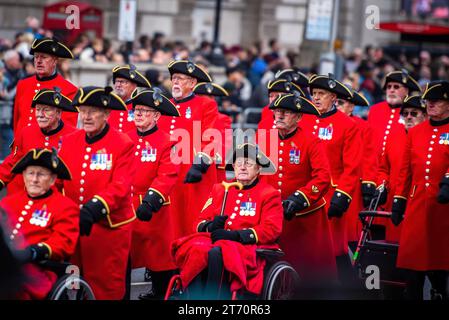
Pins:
x: 280, y: 282
x: 63, y: 290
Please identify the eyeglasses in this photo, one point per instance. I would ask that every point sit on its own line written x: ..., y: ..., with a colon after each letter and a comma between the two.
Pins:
x: 394, y: 86
x: 246, y: 163
x: 46, y: 111
x: 180, y: 79
x: 122, y: 82
x: 405, y: 114
x: 144, y: 111
x: 39, y: 175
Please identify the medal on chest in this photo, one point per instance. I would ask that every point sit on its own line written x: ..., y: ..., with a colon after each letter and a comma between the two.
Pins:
x: 188, y: 113
x: 248, y: 208
x: 40, y: 217
x: 326, y: 133
x: 149, y: 154
x: 101, y: 160
x: 294, y: 154
x: 444, y: 139
x: 130, y: 117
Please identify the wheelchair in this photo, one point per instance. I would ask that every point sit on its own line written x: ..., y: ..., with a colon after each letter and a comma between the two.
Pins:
x: 280, y: 280
x: 68, y: 286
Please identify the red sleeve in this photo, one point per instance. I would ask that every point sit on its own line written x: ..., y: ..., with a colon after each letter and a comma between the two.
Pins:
x: 319, y: 183
x: 120, y: 185
x: 167, y: 174
x: 352, y: 152
x: 209, y: 117
x: 405, y: 172
x: 369, y: 156
x: 65, y: 231
x: 270, y: 227
x: 16, y: 107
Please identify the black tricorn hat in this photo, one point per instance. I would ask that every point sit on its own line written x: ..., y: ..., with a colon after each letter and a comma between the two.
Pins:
x: 44, y: 158
x: 210, y: 89
x: 294, y: 103
x: 284, y: 86
x: 357, y: 98
x: 436, y: 90
x: 154, y: 99
x: 293, y: 75
x: 130, y: 73
x: 51, y: 46
x: 53, y: 98
x: 251, y: 151
x: 329, y: 83
x: 414, y: 101
x: 188, y: 68
x: 402, y: 77
x: 98, y: 97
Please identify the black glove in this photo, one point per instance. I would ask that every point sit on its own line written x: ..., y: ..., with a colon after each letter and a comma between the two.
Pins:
x: 2, y: 185
x: 91, y: 212
x: 368, y: 191
x: 200, y: 165
x: 33, y: 253
x: 152, y: 202
x: 443, y: 194
x: 398, y: 210
x: 383, y: 195
x: 294, y: 203
x: 339, y: 204
x: 217, y: 223
x: 221, y: 234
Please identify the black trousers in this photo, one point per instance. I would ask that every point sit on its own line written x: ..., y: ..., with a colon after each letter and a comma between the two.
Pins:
x: 415, y: 284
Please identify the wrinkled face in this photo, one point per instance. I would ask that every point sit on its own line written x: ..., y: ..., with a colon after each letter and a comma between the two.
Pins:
x: 145, y: 117
x: 93, y: 119
x: 47, y: 117
x: 396, y: 93
x: 45, y: 64
x: 182, y: 85
x: 345, y: 106
x: 123, y: 87
x: 286, y: 120
x: 323, y: 99
x: 38, y: 180
x: 246, y: 170
x: 437, y: 109
x: 412, y: 117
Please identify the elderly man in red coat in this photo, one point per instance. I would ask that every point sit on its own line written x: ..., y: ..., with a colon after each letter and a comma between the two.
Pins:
x: 49, y: 106
x: 194, y: 148
x: 229, y: 233
x: 343, y: 147
x: 155, y: 177
x: 102, y: 165
x: 126, y: 79
x: 422, y: 198
x: 43, y: 222
x: 303, y: 178
x: 46, y: 53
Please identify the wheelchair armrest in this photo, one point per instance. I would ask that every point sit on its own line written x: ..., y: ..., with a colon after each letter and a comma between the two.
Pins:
x: 269, y: 254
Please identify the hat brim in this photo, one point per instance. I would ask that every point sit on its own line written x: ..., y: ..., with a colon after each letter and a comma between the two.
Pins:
x: 97, y: 97
x: 250, y: 151
x: 145, y: 98
x: 123, y: 72
x: 181, y: 66
x: 210, y: 89
x: 323, y: 82
x: 46, y: 97
x: 45, y: 46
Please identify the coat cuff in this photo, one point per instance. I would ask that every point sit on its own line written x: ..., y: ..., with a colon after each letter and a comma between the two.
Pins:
x: 341, y: 199
x: 445, y: 180
x: 248, y: 236
x: 203, y: 225
x: 155, y: 199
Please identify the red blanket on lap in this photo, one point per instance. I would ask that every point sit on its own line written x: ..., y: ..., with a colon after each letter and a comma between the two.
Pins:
x: 246, y: 270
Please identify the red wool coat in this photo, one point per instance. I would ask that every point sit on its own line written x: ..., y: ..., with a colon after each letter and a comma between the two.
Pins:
x: 424, y: 240
x: 198, y: 113
x: 123, y: 121
x: 24, y: 115
x: 155, y: 171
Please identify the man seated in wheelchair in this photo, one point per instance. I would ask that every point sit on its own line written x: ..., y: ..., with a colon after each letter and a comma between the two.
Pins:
x: 238, y: 218
x: 42, y: 223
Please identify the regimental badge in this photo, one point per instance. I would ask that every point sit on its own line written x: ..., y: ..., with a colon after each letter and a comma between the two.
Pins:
x: 190, y: 67
x: 444, y: 139
x: 326, y: 133
x: 57, y: 101
x: 40, y: 217
x: 188, y: 113
x: 248, y: 209
x: 101, y: 161
x: 294, y: 155
x: 148, y: 154
x: 130, y: 117
x: 315, y: 189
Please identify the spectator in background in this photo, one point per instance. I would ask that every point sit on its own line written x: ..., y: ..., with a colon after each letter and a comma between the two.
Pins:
x: 33, y: 27
x: 258, y: 66
x: 81, y: 43
x: 238, y: 87
x: 24, y: 44
x: 95, y: 52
